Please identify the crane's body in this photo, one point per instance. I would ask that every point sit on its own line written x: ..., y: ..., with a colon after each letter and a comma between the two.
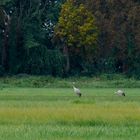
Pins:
x: 77, y: 91
x: 120, y: 93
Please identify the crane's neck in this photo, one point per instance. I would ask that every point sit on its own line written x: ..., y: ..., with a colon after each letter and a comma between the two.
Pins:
x: 74, y: 87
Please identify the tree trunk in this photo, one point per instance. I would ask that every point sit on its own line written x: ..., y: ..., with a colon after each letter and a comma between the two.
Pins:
x: 5, y: 49
x: 66, y: 54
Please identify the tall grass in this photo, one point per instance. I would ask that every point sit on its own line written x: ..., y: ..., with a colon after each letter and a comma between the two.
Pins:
x: 71, y: 132
x: 103, y: 81
x: 87, y: 114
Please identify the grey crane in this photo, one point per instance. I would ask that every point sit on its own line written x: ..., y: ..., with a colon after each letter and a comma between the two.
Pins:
x: 76, y: 90
x: 120, y: 93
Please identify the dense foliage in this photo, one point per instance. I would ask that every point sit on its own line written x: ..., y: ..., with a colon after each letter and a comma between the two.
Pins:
x: 68, y: 37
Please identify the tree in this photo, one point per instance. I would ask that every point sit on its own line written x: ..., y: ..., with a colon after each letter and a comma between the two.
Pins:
x: 77, y: 31
x: 118, y: 22
x: 31, y: 26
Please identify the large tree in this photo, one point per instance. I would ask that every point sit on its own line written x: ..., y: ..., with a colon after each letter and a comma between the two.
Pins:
x: 29, y: 24
x: 76, y: 31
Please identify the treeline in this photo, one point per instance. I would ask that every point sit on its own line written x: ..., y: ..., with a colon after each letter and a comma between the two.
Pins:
x: 70, y: 37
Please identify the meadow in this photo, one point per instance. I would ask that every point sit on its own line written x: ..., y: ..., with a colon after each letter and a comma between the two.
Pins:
x: 46, y: 108
x: 50, y: 113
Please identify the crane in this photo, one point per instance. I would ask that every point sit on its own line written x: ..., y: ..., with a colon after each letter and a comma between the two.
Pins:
x: 120, y: 93
x: 77, y: 90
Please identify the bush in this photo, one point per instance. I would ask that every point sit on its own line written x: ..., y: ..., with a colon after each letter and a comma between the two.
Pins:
x: 45, y: 62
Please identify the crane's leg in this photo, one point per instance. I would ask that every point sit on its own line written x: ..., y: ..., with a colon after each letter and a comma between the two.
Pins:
x: 80, y: 94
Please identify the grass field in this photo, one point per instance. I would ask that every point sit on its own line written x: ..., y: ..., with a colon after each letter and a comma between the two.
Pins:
x: 57, y: 114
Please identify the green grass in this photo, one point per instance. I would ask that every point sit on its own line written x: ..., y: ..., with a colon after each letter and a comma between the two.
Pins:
x: 57, y: 114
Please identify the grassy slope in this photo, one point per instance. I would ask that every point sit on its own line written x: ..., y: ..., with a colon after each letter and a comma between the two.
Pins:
x: 55, y: 113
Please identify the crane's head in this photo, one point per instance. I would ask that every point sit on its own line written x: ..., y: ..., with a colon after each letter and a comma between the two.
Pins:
x: 73, y: 83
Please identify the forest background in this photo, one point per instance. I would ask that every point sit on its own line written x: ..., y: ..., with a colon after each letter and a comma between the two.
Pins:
x: 68, y: 38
